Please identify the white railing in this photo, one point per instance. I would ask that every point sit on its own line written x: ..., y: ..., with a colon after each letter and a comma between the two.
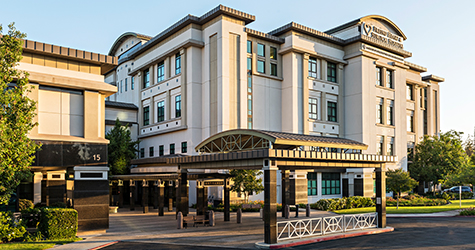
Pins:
x: 297, y: 229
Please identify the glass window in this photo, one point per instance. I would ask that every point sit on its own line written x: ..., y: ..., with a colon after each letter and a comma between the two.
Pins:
x: 177, y: 63
x: 410, y: 121
x: 146, y: 116
x: 261, y: 49
x: 178, y: 106
x: 410, y: 92
x: 390, y: 109
x: 249, y: 47
x: 312, y: 108
x: 184, y: 147
x: 161, y: 111
x: 330, y: 183
x: 331, y: 111
x: 160, y: 150
x: 312, y: 67
x: 379, y: 145
x: 146, y: 78
x: 150, y: 151
x: 312, y: 184
x: 273, y: 53
x: 273, y: 69
x: 125, y: 84
x: 379, y: 111
x: 142, y: 153
x: 161, y: 71
x: 249, y: 64
x: 132, y: 82
x: 261, y: 66
x: 390, y: 148
x: 379, y: 71
x: 172, y: 148
x: 120, y: 86
x: 389, y: 79
x: 331, y: 72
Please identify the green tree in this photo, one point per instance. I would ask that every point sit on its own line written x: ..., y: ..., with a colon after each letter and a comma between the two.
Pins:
x: 469, y: 147
x: 246, y: 181
x: 399, y: 181
x: 436, y: 157
x: 17, y: 151
x: 121, y: 149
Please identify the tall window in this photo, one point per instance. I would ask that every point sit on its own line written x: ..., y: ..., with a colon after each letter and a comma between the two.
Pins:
x: 379, y: 145
x: 125, y: 84
x: 178, y: 106
x: 390, y: 148
x: 177, y: 63
x: 132, y: 82
x: 261, y: 66
x: 150, y: 151
x: 331, y: 72
x: 249, y: 63
x: 312, y: 108
x: 249, y: 46
x: 142, y: 153
x: 410, y: 121
x: 330, y: 183
x: 389, y: 79
x: 146, y: 116
x: 161, y: 111
x: 312, y: 184
x: 331, y: 111
x: 273, y: 69
x: 409, y: 92
x: 390, y: 109
x: 160, y: 150
x: 161, y: 71
x: 379, y: 71
x: 379, y: 111
x: 172, y: 148
x: 261, y: 48
x: 120, y: 86
x: 146, y: 78
x: 273, y: 53
x: 184, y: 147
x: 312, y: 67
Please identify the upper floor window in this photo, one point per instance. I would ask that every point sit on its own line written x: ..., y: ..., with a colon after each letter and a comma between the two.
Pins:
x: 379, y: 145
x: 150, y: 151
x: 261, y: 66
x: 125, y: 84
x: 178, y: 106
x: 312, y: 108
x: 390, y: 148
x: 161, y: 111
x: 273, y: 53
x: 160, y: 71
x: 177, y: 63
x: 261, y: 49
x: 184, y: 147
x: 146, y: 78
x: 409, y: 92
x: 249, y: 46
x: 249, y: 65
x: 160, y: 150
x: 379, y: 111
x: 331, y: 72
x: 120, y: 86
x: 312, y: 67
x: 132, y: 82
x: 410, y: 121
x: 142, y: 153
x: 146, y: 116
x: 389, y: 79
x: 390, y: 110
x: 273, y: 69
x: 172, y: 148
x: 331, y: 111
x: 379, y: 71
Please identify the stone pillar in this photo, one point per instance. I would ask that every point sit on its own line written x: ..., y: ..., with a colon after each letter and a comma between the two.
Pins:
x: 270, y: 202
x: 145, y: 196
x: 170, y: 196
x: 132, y: 195
x: 226, y: 200
x: 161, y: 196
x: 38, y: 177
x: 285, y: 191
x: 182, y: 199
x: 381, y: 195
x: 199, y: 197
x: 305, y: 128
x: 121, y: 193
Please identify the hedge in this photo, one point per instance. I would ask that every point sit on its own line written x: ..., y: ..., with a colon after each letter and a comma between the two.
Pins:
x: 342, y: 203
x: 58, y: 223
x: 9, y: 229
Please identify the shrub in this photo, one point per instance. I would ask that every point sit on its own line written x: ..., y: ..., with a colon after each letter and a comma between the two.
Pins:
x: 9, y: 229
x: 58, y: 223
x: 31, y: 217
x: 415, y: 200
x: 468, y: 211
x: 58, y: 204
x: 25, y: 204
x: 342, y: 203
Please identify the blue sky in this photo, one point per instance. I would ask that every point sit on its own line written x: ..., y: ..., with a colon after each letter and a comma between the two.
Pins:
x: 438, y: 32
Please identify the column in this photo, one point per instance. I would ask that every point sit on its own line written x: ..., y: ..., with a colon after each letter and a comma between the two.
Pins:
x: 121, y: 193
x: 199, y: 197
x: 182, y: 199
x: 270, y: 202
x: 381, y: 195
x: 132, y: 195
x: 285, y: 190
x: 155, y: 194
x: 305, y: 90
x: 145, y: 196
x: 161, y: 196
x: 226, y: 200
x: 170, y: 196
x: 38, y: 177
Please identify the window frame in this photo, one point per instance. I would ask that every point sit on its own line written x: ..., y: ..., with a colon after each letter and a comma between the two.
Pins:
x: 125, y: 84
x: 161, y: 150
x: 161, y: 111
x: 313, y: 106
x: 146, y: 78
x: 172, y: 148
x: 273, y: 53
x: 177, y: 106
x: 150, y: 151
x: 142, y: 152
x: 273, y: 69
x: 312, y: 67
x: 263, y: 46
x: 146, y: 116
x: 330, y: 108
x: 390, y: 113
x: 409, y: 92
x: 312, y: 178
x: 184, y: 147
x: 389, y: 79
x: 331, y: 72
x: 379, y: 78
x: 379, y: 111
x: 263, y: 65
x: 249, y: 47
x: 132, y: 82
x: 177, y: 63
x: 161, y: 71
x: 333, y: 179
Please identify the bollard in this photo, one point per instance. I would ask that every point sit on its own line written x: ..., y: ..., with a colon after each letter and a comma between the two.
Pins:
x: 239, y: 216
x: 287, y: 211
x: 211, y: 218
x: 307, y: 212
x: 296, y: 211
x: 179, y: 220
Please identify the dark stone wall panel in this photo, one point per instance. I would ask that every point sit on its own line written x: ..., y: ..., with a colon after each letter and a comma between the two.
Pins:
x: 92, y: 212
x: 90, y: 199
x: 93, y: 185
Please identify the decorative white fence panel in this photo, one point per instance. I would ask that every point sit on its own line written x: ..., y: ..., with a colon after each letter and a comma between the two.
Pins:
x: 297, y: 229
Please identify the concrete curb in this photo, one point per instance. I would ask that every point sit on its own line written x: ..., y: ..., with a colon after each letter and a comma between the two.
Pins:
x: 104, y: 245
x: 262, y: 245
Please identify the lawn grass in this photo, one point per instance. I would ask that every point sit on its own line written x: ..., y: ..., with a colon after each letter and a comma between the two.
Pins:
x: 37, y: 245
x: 412, y: 210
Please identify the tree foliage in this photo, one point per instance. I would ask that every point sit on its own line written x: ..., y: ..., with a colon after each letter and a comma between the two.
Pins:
x: 436, y: 157
x: 17, y: 151
x: 399, y: 181
x: 246, y: 181
x: 121, y: 149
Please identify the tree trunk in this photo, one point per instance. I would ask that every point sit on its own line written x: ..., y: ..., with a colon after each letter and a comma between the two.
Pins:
x: 398, y: 195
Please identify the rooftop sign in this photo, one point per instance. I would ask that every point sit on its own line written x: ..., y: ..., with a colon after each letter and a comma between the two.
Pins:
x: 382, y: 35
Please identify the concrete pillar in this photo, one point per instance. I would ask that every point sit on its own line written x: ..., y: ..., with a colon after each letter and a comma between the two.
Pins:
x: 132, y: 195
x: 199, y: 197
x: 226, y: 200
x: 285, y: 191
x: 381, y: 195
x: 38, y: 177
x: 161, y: 196
x: 145, y: 188
x: 270, y: 202
x: 170, y: 196
x: 305, y: 90
x: 182, y: 199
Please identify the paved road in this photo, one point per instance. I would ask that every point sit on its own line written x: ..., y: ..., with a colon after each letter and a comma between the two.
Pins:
x: 409, y: 233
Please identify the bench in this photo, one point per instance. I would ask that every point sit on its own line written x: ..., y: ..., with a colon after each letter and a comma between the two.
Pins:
x: 200, y: 219
x: 188, y: 220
